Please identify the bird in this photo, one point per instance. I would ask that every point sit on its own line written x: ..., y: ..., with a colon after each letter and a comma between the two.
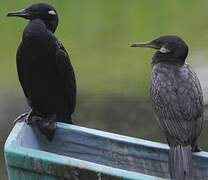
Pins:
x: 44, y: 70
x: 177, y: 100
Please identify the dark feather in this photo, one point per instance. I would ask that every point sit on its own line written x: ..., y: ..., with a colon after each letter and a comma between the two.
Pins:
x: 46, y: 76
x: 177, y: 99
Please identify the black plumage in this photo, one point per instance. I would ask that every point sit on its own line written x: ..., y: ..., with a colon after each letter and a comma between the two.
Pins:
x: 44, y: 69
x: 177, y: 100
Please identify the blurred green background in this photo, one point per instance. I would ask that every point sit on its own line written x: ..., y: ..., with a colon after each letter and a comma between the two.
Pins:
x: 113, y: 79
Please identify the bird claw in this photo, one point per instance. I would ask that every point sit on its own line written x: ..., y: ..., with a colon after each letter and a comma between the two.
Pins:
x: 35, y: 119
x: 21, y: 118
x: 47, y: 126
x: 27, y: 117
x: 197, y: 149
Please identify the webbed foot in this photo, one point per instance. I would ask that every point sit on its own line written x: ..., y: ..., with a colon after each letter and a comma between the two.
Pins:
x: 23, y: 118
x: 46, y: 125
x: 197, y: 149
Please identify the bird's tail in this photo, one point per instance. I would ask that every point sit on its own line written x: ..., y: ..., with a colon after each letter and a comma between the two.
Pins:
x: 180, y: 162
x: 47, y: 128
x: 46, y: 125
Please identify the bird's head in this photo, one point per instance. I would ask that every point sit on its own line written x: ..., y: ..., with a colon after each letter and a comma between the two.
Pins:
x: 41, y: 11
x: 169, y: 47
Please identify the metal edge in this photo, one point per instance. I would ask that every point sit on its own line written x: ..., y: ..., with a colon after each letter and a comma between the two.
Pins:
x: 127, y: 139
x: 11, y: 148
x: 114, y: 136
x: 80, y: 164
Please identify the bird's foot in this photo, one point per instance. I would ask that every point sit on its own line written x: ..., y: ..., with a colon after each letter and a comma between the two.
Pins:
x: 22, y: 118
x: 28, y: 117
x: 197, y: 149
x: 46, y: 125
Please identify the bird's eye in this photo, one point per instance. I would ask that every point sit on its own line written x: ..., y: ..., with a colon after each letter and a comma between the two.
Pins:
x: 164, y: 50
x: 52, y: 12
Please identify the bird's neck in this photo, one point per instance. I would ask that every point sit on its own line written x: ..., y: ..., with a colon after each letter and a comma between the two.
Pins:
x: 35, y: 34
x: 166, y: 59
x: 50, y: 25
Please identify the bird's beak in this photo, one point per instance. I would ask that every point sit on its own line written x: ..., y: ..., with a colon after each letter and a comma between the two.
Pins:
x: 22, y: 13
x: 148, y: 44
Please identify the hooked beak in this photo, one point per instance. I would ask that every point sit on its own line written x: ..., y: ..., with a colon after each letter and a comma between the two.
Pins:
x: 148, y: 44
x: 22, y: 13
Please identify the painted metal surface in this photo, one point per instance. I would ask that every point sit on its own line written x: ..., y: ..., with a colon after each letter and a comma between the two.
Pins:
x: 78, y: 153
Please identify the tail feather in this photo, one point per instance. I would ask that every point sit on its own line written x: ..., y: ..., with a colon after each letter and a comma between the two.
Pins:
x: 180, y: 162
x: 46, y: 125
x: 47, y: 128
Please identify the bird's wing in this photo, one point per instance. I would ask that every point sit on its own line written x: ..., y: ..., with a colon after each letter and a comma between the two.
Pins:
x: 178, y: 104
x: 67, y: 75
x: 20, y: 70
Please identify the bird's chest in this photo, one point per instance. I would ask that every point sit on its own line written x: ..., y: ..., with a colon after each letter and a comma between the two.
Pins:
x: 168, y: 80
x: 162, y: 79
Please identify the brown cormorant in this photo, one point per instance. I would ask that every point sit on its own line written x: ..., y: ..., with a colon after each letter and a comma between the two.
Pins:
x: 177, y: 100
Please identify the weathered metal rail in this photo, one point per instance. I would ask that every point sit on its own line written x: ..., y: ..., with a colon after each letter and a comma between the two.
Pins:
x: 78, y: 153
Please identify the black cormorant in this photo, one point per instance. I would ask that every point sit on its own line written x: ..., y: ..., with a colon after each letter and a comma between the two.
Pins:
x: 44, y: 69
x: 177, y: 100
